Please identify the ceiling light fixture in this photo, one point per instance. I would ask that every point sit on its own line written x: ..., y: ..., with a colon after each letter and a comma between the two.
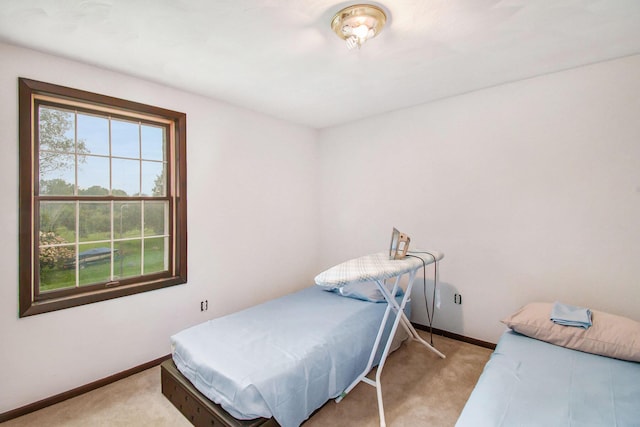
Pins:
x: 358, y: 23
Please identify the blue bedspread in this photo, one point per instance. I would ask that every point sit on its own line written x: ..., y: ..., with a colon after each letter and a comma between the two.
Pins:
x: 284, y: 358
x: 528, y: 382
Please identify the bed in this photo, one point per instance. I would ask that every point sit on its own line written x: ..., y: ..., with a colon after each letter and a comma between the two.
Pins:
x: 277, y: 362
x: 545, y: 374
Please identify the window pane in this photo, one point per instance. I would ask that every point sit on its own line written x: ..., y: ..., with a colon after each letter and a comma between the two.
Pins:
x: 95, y: 221
x: 152, y: 142
x: 94, y: 261
x: 58, y: 222
x: 56, y: 130
x: 126, y: 220
x: 93, y: 176
x: 153, y: 179
x: 125, y: 139
x: 155, y: 218
x: 56, y: 265
x: 126, y: 176
x: 57, y: 181
x: 56, y: 248
x: 130, y: 259
x: 93, y: 134
x: 155, y: 255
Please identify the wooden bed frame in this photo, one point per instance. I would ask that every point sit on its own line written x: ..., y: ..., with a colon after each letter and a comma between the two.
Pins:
x: 195, y: 406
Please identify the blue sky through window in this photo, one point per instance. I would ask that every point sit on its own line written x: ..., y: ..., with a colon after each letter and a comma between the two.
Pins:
x: 137, y: 150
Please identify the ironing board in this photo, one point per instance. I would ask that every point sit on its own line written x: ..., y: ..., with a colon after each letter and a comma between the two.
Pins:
x: 378, y: 268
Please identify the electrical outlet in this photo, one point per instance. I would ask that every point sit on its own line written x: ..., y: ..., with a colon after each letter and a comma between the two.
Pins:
x: 457, y: 299
x: 204, y: 305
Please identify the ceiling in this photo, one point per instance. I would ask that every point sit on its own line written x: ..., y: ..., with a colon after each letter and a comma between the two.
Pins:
x: 280, y: 57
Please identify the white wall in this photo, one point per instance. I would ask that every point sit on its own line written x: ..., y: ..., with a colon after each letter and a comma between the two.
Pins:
x: 531, y: 189
x: 252, y: 199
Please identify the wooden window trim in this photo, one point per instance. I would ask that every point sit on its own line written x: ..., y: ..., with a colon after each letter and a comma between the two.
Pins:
x: 29, y: 302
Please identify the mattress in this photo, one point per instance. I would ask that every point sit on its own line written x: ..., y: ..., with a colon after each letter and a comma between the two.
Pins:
x: 284, y: 358
x: 528, y: 382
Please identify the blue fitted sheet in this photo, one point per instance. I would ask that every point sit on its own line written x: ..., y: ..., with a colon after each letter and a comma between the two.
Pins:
x: 284, y: 358
x: 528, y: 382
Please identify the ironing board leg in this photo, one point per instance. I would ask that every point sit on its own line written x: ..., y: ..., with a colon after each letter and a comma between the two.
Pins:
x: 406, y: 323
x: 374, y: 350
x: 414, y: 334
x: 400, y: 317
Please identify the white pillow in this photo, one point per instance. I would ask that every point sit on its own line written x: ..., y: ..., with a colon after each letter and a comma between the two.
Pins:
x: 366, y: 291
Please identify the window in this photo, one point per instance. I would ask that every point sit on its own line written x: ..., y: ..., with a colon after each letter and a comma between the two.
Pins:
x: 102, y: 197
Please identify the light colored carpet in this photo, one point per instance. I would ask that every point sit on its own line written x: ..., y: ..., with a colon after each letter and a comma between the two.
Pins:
x: 133, y: 401
x: 418, y: 388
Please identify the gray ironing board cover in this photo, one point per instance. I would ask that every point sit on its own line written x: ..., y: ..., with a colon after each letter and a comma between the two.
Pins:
x: 373, y: 267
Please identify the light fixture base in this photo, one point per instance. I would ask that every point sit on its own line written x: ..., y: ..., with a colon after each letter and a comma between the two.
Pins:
x: 358, y: 23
